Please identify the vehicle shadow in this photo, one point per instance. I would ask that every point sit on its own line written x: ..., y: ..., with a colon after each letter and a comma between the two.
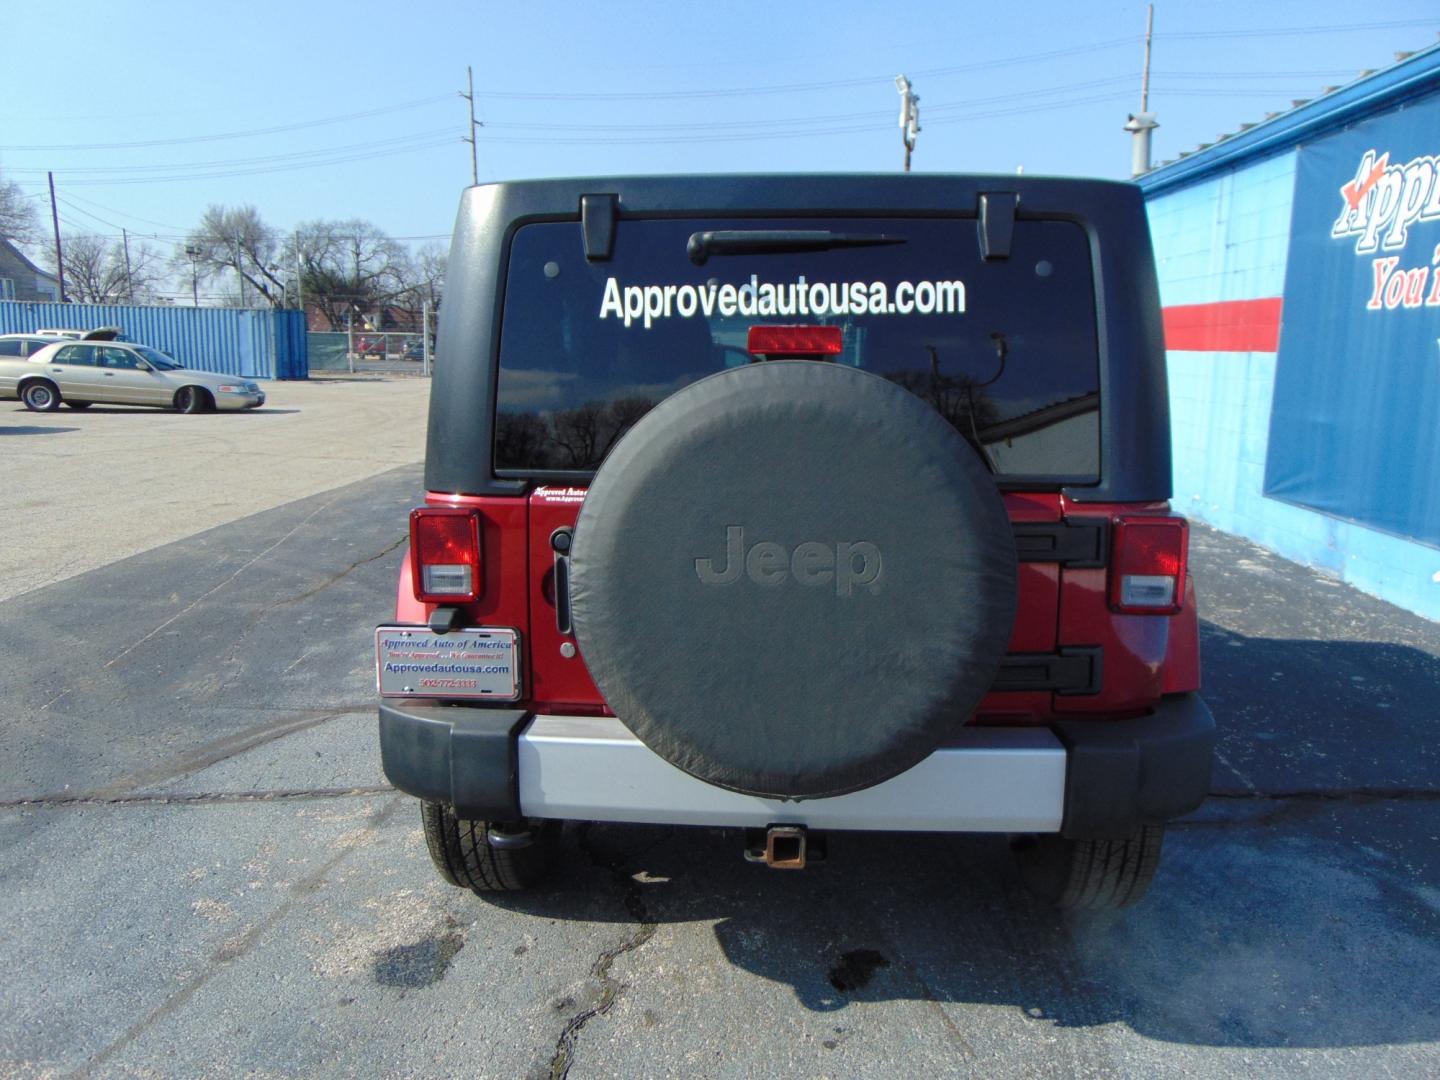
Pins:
x: 1332, y: 716
x: 1299, y: 907
x: 1250, y: 937
x: 132, y: 410
x: 30, y: 429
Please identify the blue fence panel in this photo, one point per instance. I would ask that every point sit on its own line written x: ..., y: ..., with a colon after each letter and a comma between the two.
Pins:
x: 255, y: 344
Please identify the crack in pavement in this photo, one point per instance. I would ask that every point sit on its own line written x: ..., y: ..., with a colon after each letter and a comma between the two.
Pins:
x: 204, y: 798
x: 260, y: 614
x: 299, y: 892
x: 215, y: 752
x: 1263, y: 809
x: 333, y: 578
x: 610, y: 987
x: 1359, y: 794
x: 216, y: 588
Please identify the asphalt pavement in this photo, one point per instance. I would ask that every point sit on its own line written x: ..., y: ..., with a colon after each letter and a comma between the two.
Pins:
x: 202, y: 871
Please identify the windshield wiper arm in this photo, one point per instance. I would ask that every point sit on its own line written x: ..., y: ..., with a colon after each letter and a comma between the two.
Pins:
x: 765, y: 241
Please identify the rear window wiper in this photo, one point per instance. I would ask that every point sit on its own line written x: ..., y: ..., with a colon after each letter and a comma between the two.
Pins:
x: 764, y: 241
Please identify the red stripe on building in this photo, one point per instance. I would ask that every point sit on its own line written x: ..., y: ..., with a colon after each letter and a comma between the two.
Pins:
x: 1226, y: 326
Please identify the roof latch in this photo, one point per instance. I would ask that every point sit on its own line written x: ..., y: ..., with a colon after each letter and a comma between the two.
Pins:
x: 597, y: 221
x: 997, y: 223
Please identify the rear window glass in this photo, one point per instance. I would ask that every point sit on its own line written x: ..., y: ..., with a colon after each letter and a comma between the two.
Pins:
x: 1004, y: 349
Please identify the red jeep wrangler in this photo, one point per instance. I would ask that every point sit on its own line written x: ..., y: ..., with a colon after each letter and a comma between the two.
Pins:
x: 794, y: 504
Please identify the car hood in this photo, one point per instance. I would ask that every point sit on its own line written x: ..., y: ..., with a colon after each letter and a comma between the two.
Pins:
x: 209, y: 379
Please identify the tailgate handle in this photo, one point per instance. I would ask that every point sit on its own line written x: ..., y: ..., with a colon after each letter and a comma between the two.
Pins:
x: 560, y: 541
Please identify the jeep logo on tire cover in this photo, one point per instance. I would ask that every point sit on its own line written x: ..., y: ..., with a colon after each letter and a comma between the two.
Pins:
x: 812, y: 563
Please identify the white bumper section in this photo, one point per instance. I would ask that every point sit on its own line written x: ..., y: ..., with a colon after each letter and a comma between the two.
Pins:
x: 987, y: 780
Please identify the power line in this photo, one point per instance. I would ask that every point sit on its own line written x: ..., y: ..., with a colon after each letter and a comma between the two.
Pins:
x: 840, y: 129
x: 841, y: 124
x: 1286, y: 31
x: 794, y: 88
x: 946, y: 119
x: 122, y: 213
x: 1331, y: 73
x: 87, y: 213
x: 93, y: 181
x: 296, y: 155
x: 251, y: 133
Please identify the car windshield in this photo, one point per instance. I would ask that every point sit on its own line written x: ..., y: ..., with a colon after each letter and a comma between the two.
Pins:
x: 159, y: 360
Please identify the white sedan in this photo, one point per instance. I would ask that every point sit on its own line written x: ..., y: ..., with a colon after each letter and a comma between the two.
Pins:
x: 83, y: 373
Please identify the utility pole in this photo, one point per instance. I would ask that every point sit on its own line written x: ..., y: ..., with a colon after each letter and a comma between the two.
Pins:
x: 909, y: 116
x: 59, y: 255
x: 469, y: 95
x: 129, y: 284
x: 194, y: 251
x: 1142, y: 123
x: 300, y: 281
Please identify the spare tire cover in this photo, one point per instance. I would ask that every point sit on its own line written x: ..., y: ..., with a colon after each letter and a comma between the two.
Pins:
x: 793, y: 579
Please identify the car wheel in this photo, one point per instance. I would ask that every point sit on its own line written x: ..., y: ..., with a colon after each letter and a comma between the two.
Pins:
x: 1093, y: 875
x: 469, y: 853
x: 40, y: 396
x: 192, y: 399
x: 79, y: 404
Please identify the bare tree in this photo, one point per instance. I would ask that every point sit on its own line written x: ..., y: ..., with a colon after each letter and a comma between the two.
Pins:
x: 422, y: 279
x: 236, y: 241
x: 96, y: 272
x: 19, y: 220
x: 348, y: 266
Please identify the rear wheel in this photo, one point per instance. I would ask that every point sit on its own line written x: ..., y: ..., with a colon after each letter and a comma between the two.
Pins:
x: 40, y: 396
x: 191, y: 399
x: 1092, y: 875
x: 488, y: 856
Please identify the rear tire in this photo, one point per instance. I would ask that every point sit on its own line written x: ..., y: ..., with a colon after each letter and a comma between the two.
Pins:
x: 1089, y: 875
x: 40, y: 395
x: 191, y: 400
x: 464, y: 856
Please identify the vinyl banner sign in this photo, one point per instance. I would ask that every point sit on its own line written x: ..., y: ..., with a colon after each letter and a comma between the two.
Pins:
x: 1355, y: 425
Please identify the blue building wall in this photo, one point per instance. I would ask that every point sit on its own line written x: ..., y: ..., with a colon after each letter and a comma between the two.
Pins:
x: 1222, y: 235
x: 250, y: 343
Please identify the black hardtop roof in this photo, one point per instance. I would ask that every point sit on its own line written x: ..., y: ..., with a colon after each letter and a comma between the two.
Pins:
x: 1134, y: 414
x: 913, y: 193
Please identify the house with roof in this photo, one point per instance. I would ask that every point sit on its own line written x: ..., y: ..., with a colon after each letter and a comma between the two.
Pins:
x: 21, y: 279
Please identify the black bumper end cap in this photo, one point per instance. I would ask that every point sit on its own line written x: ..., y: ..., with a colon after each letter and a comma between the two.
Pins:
x: 1122, y: 774
x: 422, y: 742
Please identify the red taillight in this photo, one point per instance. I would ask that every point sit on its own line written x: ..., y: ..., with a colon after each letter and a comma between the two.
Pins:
x: 795, y: 341
x: 1147, y: 567
x: 445, y: 554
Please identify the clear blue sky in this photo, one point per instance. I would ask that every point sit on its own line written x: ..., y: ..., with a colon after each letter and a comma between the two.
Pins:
x: 593, y: 88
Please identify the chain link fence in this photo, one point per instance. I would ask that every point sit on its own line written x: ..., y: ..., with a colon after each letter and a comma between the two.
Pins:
x: 391, y: 352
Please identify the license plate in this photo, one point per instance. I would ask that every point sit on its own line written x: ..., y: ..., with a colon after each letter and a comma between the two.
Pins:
x: 413, y: 661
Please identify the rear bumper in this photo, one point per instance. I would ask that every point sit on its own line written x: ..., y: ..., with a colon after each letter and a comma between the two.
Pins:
x: 1085, y: 779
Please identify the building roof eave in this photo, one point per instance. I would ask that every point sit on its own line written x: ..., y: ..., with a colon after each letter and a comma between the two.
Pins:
x: 1413, y: 77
